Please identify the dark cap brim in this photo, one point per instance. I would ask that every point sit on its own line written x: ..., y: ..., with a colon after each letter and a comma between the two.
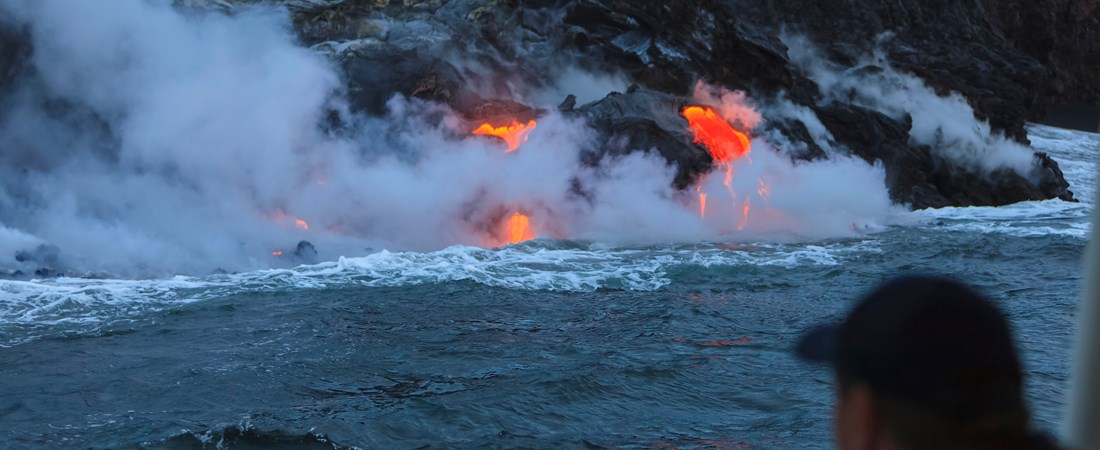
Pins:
x: 820, y: 345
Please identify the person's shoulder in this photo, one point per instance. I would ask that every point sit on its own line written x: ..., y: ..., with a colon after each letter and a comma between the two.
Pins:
x: 1042, y: 441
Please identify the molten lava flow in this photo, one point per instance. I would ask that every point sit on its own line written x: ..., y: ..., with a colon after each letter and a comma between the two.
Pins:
x: 281, y: 216
x: 514, y: 135
x: 724, y: 143
x: 519, y: 229
x: 702, y: 201
x: 745, y: 207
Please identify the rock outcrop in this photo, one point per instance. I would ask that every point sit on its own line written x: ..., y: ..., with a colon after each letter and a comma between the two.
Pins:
x: 962, y: 47
x: 645, y: 120
x: 42, y: 261
x: 1010, y: 60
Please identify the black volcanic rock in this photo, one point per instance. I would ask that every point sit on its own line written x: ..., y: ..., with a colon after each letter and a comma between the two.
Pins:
x: 874, y: 137
x: 796, y: 131
x: 1063, y: 35
x: 1051, y: 179
x: 917, y: 176
x: 43, y: 261
x: 377, y: 71
x: 1009, y: 59
x: 305, y: 252
x: 46, y: 255
x: 646, y: 121
x: 669, y: 46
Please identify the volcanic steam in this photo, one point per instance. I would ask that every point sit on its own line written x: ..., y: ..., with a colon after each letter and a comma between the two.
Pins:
x: 149, y: 142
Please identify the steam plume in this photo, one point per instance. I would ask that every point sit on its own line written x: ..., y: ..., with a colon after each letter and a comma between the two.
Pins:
x: 149, y: 140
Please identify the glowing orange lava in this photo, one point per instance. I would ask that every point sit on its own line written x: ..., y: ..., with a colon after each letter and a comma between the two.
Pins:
x: 724, y: 143
x: 277, y: 253
x: 514, y: 135
x: 745, y: 207
x: 519, y: 228
x: 702, y: 201
x: 280, y: 216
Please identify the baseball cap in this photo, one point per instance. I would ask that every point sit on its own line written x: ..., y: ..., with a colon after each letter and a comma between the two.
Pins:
x: 933, y: 342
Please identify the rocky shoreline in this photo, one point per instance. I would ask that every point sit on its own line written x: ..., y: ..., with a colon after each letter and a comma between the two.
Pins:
x: 407, y: 47
x: 1004, y: 63
x: 469, y: 53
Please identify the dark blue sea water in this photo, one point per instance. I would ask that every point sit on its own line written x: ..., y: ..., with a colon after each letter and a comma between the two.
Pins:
x: 546, y: 344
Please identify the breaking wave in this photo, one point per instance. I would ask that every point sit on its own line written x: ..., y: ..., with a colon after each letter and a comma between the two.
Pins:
x: 81, y: 304
x: 1076, y: 152
x: 48, y: 307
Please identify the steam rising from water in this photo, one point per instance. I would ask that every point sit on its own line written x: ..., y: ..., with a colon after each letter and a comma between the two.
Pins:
x: 946, y: 123
x: 156, y: 140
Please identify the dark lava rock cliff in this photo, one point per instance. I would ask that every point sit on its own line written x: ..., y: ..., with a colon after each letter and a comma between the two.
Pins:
x: 1009, y: 60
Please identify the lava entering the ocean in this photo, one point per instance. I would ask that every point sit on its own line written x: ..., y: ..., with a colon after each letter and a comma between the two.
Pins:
x: 280, y: 216
x: 514, y: 134
x: 702, y: 201
x: 724, y: 143
x: 519, y: 228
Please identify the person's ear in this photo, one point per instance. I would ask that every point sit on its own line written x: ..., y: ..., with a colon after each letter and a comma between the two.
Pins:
x: 856, y: 421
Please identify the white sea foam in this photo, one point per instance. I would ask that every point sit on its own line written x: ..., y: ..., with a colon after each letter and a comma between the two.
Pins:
x: 946, y: 123
x: 29, y: 309
x: 225, y: 182
x: 1077, y: 230
x: 541, y: 266
x: 1076, y: 153
x: 84, y: 304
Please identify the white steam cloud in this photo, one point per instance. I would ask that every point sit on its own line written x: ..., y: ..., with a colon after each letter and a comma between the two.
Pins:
x: 159, y: 140
x: 945, y: 123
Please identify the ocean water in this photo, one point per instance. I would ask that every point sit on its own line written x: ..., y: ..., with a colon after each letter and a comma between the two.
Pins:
x: 546, y: 344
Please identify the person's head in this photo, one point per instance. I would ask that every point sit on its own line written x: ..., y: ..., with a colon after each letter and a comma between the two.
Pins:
x: 923, y: 363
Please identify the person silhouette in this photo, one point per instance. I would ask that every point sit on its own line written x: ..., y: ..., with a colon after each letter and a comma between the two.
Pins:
x: 925, y: 363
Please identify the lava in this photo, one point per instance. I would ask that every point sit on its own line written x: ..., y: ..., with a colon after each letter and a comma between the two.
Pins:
x: 514, y: 134
x: 702, y: 201
x: 519, y: 228
x: 724, y: 143
x: 280, y: 216
x: 745, y: 208
x: 277, y: 253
